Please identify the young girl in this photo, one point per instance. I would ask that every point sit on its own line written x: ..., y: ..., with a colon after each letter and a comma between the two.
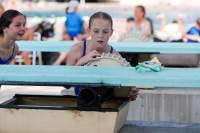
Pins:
x: 100, y: 30
x: 12, y: 28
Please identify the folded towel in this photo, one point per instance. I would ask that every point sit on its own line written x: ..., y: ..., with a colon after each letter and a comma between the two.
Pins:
x: 149, y: 66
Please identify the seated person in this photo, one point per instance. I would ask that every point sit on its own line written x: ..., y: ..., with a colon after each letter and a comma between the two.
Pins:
x: 74, y: 28
x: 193, y: 32
x: 140, y: 25
x: 170, y: 32
x: 128, y: 21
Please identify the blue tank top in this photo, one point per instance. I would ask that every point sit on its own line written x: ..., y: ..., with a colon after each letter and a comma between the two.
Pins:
x: 9, y: 59
x: 76, y: 88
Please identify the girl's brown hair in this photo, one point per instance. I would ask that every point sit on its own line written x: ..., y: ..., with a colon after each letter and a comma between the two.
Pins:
x: 7, y: 17
x: 101, y: 15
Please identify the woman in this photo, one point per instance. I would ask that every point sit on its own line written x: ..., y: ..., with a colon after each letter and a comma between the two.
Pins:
x: 140, y: 25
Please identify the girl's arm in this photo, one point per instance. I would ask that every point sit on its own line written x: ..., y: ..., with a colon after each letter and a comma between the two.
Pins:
x: 75, y: 56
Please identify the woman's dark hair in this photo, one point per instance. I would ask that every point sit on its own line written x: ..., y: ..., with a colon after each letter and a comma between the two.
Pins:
x: 7, y: 17
x: 101, y: 15
x: 142, y: 9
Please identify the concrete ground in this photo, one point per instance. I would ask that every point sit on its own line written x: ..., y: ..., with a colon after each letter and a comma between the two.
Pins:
x: 136, y: 129
x: 159, y: 127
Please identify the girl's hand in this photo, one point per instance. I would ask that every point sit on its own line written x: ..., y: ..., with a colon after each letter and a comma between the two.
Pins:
x: 134, y: 95
x: 94, y: 55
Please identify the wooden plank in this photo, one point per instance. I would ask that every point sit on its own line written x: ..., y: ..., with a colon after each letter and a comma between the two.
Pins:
x: 125, y: 47
x: 86, y: 76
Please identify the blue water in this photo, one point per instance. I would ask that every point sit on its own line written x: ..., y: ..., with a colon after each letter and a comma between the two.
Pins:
x: 171, y: 15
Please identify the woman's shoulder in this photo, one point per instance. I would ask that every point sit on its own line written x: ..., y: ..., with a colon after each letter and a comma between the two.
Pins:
x: 146, y: 21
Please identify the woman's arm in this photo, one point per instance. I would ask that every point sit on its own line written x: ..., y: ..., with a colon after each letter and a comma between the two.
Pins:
x: 180, y: 23
x: 147, y: 29
x: 162, y: 23
x: 80, y: 36
x: 30, y: 34
x: 126, y: 30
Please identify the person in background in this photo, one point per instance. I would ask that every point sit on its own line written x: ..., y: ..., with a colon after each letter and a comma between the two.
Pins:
x: 74, y: 28
x: 193, y: 32
x: 128, y: 21
x: 140, y: 25
x: 12, y: 28
x: 172, y: 32
x: 2, y: 9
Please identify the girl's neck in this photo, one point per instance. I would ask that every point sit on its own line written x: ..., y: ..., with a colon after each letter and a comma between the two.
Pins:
x: 93, y: 47
x: 6, y: 42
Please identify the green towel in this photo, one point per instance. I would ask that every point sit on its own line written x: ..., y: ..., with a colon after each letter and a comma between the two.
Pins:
x: 148, y: 66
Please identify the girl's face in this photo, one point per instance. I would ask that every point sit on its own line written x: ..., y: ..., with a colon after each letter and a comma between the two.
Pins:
x: 138, y: 13
x: 100, y: 32
x: 16, y: 29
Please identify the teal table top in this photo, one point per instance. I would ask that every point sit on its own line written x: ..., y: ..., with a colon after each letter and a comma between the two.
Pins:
x: 145, y: 47
x: 124, y: 76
